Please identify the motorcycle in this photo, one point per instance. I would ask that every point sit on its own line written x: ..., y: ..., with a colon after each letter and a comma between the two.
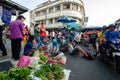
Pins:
x: 111, y: 52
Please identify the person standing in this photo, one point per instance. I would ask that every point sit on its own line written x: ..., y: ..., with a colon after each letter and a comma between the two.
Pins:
x: 16, y: 35
x: 92, y: 39
x: 31, y: 29
x: 42, y: 30
x: 2, y: 46
x: 26, y: 33
x: 36, y: 34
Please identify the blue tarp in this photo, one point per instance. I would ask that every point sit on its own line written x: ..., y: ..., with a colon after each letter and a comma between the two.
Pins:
x: 92, y: 28
x: 73, y: 25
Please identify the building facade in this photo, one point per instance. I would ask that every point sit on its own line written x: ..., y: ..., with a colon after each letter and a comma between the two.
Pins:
x: 117, y: 22
x: 48, y: 12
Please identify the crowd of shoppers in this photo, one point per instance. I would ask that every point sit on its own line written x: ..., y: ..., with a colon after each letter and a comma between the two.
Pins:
x: 37, y: 37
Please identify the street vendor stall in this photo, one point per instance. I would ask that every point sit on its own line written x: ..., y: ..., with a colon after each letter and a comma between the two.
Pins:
x: 35, y: 68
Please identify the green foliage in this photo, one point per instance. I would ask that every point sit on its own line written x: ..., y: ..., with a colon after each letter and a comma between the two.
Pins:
x: 4, y: 76
x: 50, y: 72
x: 16, y: 73
x: 43, y: 59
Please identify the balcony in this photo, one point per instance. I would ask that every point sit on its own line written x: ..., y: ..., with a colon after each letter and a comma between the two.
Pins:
x: 42, y: 17
x: 71, y: 13
x: 55, y: 25
x: 76, y: 1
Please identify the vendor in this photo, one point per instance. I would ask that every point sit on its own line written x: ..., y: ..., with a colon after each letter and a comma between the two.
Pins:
x: 30, y: 46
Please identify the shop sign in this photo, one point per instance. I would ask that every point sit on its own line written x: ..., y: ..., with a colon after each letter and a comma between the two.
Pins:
x: 6, y: 15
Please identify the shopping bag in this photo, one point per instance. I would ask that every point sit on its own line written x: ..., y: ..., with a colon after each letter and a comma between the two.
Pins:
x: 23, y: 61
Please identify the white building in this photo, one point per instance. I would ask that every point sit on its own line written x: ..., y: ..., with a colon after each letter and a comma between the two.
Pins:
x: 48, y: 12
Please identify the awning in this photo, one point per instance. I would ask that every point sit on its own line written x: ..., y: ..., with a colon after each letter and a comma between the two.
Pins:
x: 118, y: 21
x: 14, y: 6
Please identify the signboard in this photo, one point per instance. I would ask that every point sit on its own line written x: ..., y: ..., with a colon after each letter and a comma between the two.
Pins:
x: 0, y: 11
x: 86, y: 19
x: 6, y: 15
x: 0, y: 14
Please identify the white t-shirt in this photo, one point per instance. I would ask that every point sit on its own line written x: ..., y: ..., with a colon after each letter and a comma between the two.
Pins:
x: 70, y: 48
x: 77, y: 37
x: 31, y: 31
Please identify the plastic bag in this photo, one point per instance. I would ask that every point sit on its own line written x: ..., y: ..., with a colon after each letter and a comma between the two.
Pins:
x: 24, y: 61
x: 61, y: 58
x: 34, y: 60
x: 50, y: 60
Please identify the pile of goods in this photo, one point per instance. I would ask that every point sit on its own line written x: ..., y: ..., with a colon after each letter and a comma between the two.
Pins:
x: 49, y: 69
x: 50, y: 72
x: 16, y: 73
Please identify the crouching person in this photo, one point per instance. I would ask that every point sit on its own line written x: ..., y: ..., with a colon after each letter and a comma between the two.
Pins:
x: 70, y: 46
x: 30, y: 46
x: 30, y: 54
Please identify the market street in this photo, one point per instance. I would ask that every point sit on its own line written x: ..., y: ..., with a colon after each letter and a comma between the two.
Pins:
x: 81, y: 68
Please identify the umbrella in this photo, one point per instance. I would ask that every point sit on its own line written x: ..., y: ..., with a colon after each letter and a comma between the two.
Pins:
x: 72, y: 20
x: 73, y: 25
x: 65, y: 19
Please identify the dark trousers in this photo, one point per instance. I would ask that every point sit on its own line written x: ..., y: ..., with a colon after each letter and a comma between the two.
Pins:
x: 16, y: 48
x: 2, y: 47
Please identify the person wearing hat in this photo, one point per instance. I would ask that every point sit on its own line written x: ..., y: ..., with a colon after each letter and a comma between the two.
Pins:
x: 111, y: 35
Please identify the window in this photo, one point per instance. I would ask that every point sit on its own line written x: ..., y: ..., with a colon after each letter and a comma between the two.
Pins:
x: 57, y: 8
x: 37, y: 13
x: 50, y: 21
x: 40, y: 12
x: 56, y: 20
x: 66, y: 6
x: 75, y: 7
x: 44, y: 21
x: 50, y: 10
x: 43, y: 12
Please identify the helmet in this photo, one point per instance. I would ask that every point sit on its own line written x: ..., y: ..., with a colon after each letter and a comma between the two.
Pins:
x: 111, y: 25
x: 104, y: 27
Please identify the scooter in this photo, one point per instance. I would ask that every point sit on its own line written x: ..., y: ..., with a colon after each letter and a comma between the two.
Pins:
x: 111, y: 53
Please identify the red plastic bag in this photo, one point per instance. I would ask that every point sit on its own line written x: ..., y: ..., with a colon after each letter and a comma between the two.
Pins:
x: 24, y: 61
x: 50, y: 60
